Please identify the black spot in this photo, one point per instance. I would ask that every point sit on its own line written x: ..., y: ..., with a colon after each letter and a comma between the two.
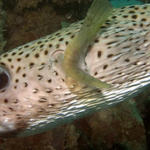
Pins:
x: 145, y: 7
x: 61, y: 39
x: 53, y: 38
x: 48, y: 90
x: 57, y: 34
x: 95, y: 73
x: 26, y: 46
x: 96, y: 41
x: 27, y: 55
x: 35, y: 90
x: 128, y: 46
x: 18, y: 59
x: 112, y: 42
x: 39, y: 42
x: 11, y: 109
x: 99, y: 53
x: 134, y: 16
x: 105, y: 66
x: 105, y: 37
x: 143, y: 19
x: 20, y: 53
x: 125, y: 16
x: 19, y: 48
x: 31, y: 65
x: 42, y: 100
x: 5, y: 55
x: 131, y: 6
x: 127, y: 60
x: 3, y: 64
x: 56, y: 61
x: 16, y: 101
x: 68, y: 33
x: 33, y: 49
x: 52, y: 105
x: 130, y: 29
x: 142, y: 13
x: 103, y: 26
x: 118, y: 35
x: 114, y: 17
x: 25, y: 84
x: 136, y: 8
x: 14, y: 53
x: 9, y: 59
x: 46, y: 52
x: 40, y: 77
x: 141, y: 24
x: 49, y: 81
x: 3, y: 91
x: 131, y: 11
x: 24, y: 75
x: 110, y: 55
x: 5, y: 100
x: 17, y: 80
x: 72, y: 36
x: 57, y: 45
x: 56, y: 73
x: 135, y: 63
x: 134, y: 24
x: 37, y: 55
x: 18, y: 69
x: 66, y: 42
x: 50, y: 45
x: 42, y: 63
x: 41, y: 45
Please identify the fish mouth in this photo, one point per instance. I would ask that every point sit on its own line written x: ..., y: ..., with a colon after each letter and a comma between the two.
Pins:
x: 7, y: 132
x: 10, y: 129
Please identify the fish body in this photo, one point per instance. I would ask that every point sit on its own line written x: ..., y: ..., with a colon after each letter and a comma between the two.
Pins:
x: 36, y: 97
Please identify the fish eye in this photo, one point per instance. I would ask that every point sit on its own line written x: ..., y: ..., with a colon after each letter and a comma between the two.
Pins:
x: 4, y: 78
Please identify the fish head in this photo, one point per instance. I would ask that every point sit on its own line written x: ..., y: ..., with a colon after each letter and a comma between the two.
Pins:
x: 26, y: 86
x: 16, y: 98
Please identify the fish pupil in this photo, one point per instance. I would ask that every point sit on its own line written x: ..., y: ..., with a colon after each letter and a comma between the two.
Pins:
x: 4, y: 78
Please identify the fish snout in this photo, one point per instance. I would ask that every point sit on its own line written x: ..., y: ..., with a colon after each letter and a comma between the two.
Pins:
x: 10, y: 128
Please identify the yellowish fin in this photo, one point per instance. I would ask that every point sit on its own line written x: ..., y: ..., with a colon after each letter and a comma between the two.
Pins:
x: 77, y: 48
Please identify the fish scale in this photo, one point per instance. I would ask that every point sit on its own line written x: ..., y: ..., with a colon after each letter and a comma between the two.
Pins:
x: 38, y: 98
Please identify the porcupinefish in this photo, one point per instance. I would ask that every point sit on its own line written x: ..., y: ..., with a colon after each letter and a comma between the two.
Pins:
x: 33, y: 93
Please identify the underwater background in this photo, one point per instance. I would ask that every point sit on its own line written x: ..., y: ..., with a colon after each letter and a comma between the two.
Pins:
x: 125, y: 126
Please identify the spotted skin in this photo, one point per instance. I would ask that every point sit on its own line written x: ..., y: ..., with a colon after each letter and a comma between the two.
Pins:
x: 37, y: 97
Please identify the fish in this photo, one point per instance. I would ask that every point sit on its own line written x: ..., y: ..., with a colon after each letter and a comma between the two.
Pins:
x: 34, y: 96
